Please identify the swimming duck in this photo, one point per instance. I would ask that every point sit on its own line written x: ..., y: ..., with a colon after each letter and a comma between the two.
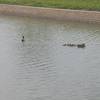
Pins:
x: 22, y: 39
x: 71, y: 45
x: 81, y: 45
x: 64, y: 44
x: 75, y: 45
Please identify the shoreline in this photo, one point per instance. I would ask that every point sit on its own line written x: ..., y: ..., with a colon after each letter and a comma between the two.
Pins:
x: 51, y: 13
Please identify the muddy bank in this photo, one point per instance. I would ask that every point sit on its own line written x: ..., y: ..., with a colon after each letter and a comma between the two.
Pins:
x: 58, y: 14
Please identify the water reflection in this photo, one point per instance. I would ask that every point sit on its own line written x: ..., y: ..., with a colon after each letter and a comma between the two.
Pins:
x: 40, y: 68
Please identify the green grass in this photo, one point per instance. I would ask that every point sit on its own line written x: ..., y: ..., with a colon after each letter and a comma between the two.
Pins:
x: 70, y: 4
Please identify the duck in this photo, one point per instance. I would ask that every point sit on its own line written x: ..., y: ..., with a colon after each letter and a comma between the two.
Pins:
x: 75, y: 45
x: 22, y: 39
x: 64, y: 44
x: 71, y: 45
x: 81, y: 45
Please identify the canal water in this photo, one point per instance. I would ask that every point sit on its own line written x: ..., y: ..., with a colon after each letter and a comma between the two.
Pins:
x: 41, y: 68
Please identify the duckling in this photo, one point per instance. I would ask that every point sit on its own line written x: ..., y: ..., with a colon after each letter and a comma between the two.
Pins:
x: 71, y: 45
x: 22, y: 39
x: 64, y: 44
x: 81, y: 45
x: 75, y: 45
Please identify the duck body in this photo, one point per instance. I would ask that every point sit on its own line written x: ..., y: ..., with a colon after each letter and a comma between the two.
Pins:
x: 23, y: 39
x: 81, y: 45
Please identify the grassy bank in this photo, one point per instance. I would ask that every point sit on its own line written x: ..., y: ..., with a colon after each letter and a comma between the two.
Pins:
x: 70, y: 4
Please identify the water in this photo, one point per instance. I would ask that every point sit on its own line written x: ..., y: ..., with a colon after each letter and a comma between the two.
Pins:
x: 41, y: 68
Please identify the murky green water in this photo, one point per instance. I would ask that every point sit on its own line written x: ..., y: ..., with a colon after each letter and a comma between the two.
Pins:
x: 41, y: 68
